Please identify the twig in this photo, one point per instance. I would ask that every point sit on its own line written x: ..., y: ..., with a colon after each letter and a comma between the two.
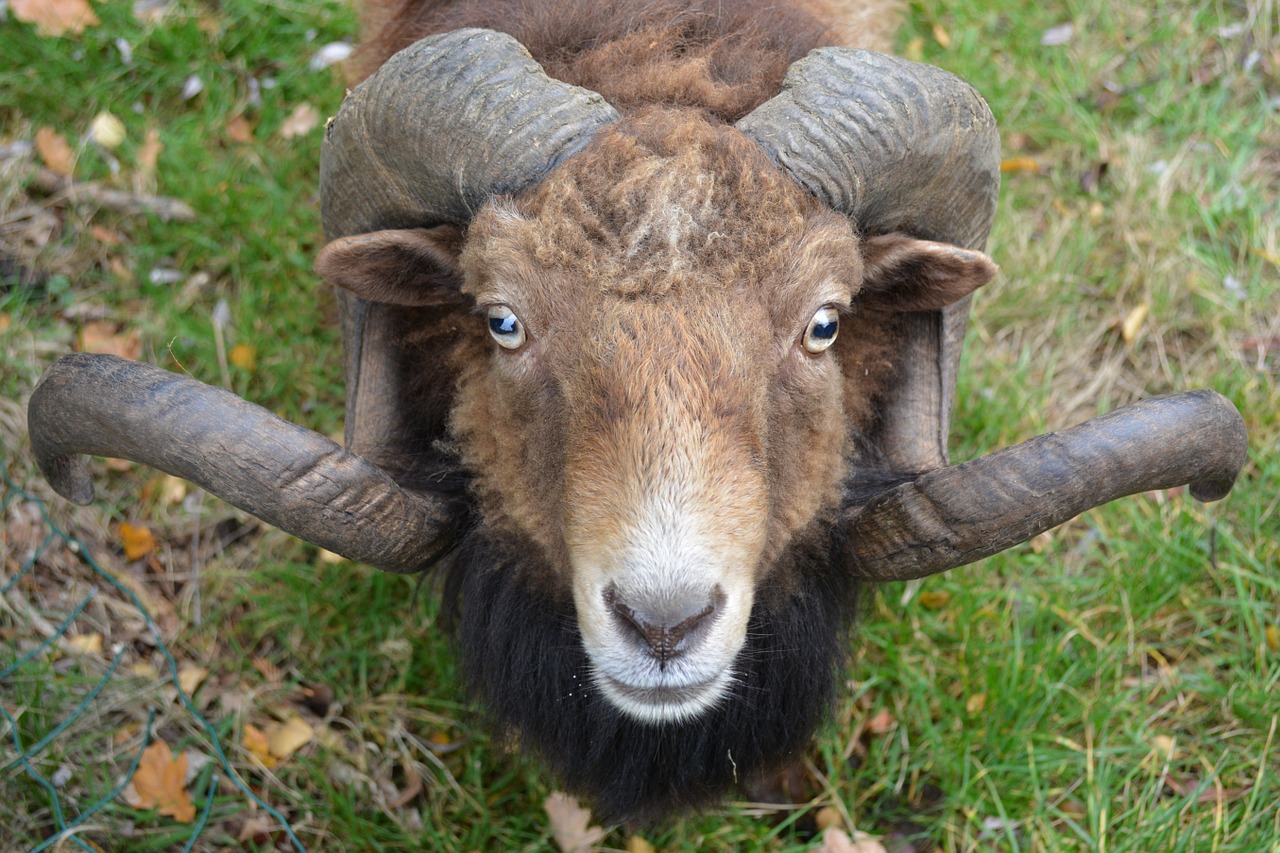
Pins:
x: 167, y: 209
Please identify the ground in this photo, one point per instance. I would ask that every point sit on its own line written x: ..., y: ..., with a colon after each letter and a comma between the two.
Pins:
x: 1109, y: 686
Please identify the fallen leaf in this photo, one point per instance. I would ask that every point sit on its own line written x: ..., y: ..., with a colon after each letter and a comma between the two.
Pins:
x: 6, y: 320
x: 284, y: 739
x: 149, y: 153
x: 269, y: 671
x: 254, y: 740
x: 836, y: 840
x: 1133, y: 322
x: 976, y: 705
x: 1041, y: 541
x: 258, y: 829
x: 173, y: 490
x: 570, y: 824
x: 86, y: 644
x: 55, y: 17
x: 828, y: 817
x: 190, y: 677
x: 639, y: 844
x: 932, y: 600
x: 941, y: 36
x: 1011, y: 165
x: 105, y: 235
x: 137, y: 540
x: 54, y: 151
x: 304, y: 119
x: 239, y: 130
x: 107, y: 130
x: 244, y: 356
x: 1273, y: 638
x: 105, y: 338
x: 881, y: 722
x: 160, y: 783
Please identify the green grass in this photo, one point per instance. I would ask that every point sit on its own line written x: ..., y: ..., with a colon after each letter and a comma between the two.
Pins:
x: 1089, y: 693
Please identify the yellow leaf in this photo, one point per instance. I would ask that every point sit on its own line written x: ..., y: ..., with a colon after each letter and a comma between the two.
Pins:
x: 284, y: 739
x: 1133, y: 322
x: 244, y: 356
x: 1273, y: 638
x: 639, y: 844
x: 190, y: 677
x: 137, y: 540
x: 55, y: 17
x: 161, y: 783
x: 976, y: 705
x: 1019, y: 164
x: 86, y: 644
x: 254, y: 739
x: 934, y: 600
x: 54, y: 151
x: 107, y: 130
x: 941, y: 36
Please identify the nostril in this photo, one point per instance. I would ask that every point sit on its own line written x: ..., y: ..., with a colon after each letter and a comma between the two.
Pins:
x: 666, y: 631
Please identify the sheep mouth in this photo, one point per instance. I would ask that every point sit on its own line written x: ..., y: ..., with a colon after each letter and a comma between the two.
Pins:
x: 665, y: 703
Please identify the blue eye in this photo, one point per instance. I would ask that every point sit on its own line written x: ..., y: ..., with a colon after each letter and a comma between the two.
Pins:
x: 505, y: 327
x: 822, y: 329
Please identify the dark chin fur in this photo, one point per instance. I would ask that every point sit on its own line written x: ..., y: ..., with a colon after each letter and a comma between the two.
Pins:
x: 523, y: 660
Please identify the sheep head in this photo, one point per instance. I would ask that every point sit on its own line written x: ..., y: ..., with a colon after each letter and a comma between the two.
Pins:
x: 647, y: 390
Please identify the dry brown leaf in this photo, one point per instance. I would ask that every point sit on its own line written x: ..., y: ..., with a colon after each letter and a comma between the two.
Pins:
x: 254, y: 739
x: 54, y: 151
x: 239, y: 130
x: 86, y: 644
x: 105, y: 338
x: 160, y: 783
x: 304, y: 119
x: 149, y: 153
x: 55, y: 17
x: 284, y: 739
x: 137, y: 540
x: 244, y: 356
x: 882, y: 722
x: 269, y: 671
x: 190, y: 677
x: 570, y: 824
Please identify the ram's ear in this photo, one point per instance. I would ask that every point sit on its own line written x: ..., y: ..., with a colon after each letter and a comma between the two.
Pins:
x: 901, y: 273
x: 415, y: 267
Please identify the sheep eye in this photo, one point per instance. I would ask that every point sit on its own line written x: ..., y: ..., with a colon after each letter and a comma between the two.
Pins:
x: 505, y: 327
x: 822, y: 329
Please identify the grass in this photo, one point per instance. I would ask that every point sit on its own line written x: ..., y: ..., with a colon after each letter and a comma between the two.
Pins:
x: 1109, y: 687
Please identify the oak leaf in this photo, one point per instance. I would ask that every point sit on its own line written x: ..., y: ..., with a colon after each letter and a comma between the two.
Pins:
x: 570, y: 824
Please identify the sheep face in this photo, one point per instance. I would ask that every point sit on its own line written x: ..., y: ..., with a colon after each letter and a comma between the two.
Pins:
x: 650, y: 414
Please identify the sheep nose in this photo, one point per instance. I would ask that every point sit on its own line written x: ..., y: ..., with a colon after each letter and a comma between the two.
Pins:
x: 667, y: 628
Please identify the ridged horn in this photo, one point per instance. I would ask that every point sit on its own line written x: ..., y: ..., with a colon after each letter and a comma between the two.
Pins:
x: 443, y: 125
x: 290, y: 477
x: 953, y: 516
x: 896, y: 146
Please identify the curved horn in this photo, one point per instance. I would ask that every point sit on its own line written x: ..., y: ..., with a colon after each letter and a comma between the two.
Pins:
x: 443, y: 125
x: 897, y: 146
x: 954, y: 516
x: 290, y: 477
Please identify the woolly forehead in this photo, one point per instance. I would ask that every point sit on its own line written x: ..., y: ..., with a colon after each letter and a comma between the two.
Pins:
x: 665, y: 205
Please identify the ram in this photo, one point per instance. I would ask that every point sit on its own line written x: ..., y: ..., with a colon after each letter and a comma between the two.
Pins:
x: 652, y: 314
